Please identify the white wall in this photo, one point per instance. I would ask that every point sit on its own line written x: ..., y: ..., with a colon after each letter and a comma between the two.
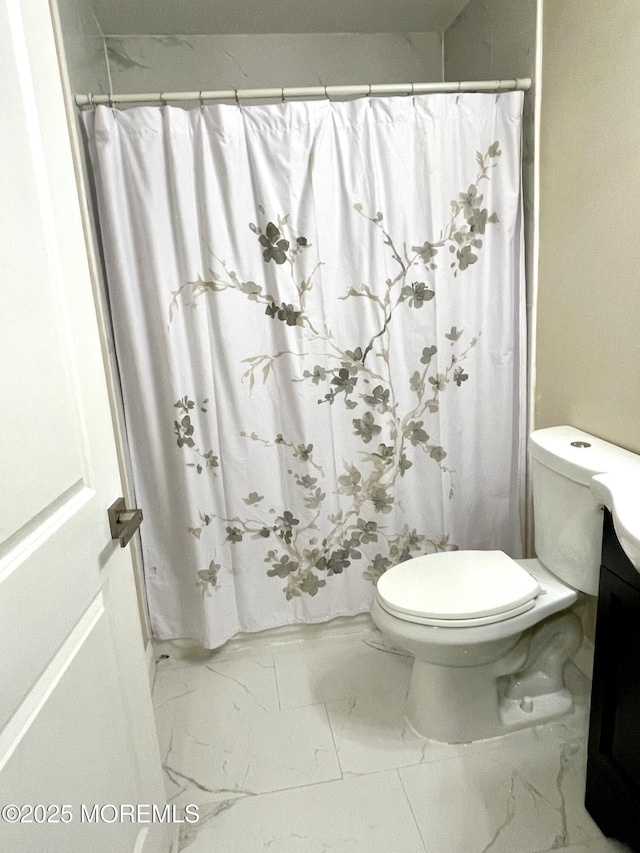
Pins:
x: 496, y: 38
x: 191, y: 63
x: 217, y: 17
x: 83, y: 46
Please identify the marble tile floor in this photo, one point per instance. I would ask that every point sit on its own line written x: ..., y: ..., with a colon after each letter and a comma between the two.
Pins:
x: 299, y: 746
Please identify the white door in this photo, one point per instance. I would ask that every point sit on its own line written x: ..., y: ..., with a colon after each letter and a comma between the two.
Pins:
x: 76, y: 723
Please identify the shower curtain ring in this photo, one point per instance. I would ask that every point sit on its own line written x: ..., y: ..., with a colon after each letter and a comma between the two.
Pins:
x: 163, y: 103
x: 413, y: 89
x: 237, y: 97
x: 369, y: 92
x: 282, y: 93
x: 201, y: 101
x: 326, y: 94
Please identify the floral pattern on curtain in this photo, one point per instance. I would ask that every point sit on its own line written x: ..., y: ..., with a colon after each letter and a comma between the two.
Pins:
x: 318, y: 318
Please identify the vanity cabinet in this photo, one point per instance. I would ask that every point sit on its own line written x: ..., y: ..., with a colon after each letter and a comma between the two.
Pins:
x: 613, y: 768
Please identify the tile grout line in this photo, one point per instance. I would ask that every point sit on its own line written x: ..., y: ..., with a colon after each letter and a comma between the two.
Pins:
x: 241, y: 795
x: 255, y: 794
x: 333, y: 738
x: 413, y: 814
x: 351, y: 776
x: 275, y: 675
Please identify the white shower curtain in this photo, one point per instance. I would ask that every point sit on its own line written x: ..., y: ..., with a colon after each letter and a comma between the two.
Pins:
x: 318, y: 313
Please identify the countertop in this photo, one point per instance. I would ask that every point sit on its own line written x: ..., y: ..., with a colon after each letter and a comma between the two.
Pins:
x: 620, y: 493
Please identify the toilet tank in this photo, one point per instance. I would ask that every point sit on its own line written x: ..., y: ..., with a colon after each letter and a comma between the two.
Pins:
x: 567, y: 517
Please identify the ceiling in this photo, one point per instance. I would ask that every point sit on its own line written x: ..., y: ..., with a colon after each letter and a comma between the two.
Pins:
x: 191, y: 17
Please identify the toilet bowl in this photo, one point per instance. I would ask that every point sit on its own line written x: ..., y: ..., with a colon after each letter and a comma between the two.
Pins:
x: 470, y: 683
x: 491, y: 635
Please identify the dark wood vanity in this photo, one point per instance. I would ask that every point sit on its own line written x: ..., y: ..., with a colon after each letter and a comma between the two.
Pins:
x: 613, y: 768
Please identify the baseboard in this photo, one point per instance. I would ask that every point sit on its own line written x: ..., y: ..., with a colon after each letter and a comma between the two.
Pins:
x: 583, y: 658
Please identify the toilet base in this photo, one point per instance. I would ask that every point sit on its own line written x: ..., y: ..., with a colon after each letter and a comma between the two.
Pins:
x: 463, y: 704
x: 533, y: 710
x: 525, y: 687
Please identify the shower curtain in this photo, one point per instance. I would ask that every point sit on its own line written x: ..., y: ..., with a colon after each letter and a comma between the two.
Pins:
x: 318, y: 314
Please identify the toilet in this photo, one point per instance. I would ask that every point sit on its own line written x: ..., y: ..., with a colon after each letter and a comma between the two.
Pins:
x: 491, y: 635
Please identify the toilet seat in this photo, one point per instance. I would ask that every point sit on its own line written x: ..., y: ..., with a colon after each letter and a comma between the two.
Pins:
x: 458, y: 589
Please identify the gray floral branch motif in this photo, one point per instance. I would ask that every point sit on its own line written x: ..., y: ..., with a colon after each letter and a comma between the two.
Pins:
x: 299, y: 451
x: 184, y: 430
x: 276, y: 248
x: 306, y: 544
x: 463, y: 234
x: 299, y: 554
x: 282, y: 251
x: 208, y: 578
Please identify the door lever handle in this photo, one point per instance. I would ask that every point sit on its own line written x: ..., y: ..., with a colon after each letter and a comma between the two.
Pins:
x: 123, y: 522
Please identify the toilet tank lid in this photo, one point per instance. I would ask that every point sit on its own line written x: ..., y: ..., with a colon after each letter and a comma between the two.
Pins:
x: 556, y: 448
x: 457, y: 585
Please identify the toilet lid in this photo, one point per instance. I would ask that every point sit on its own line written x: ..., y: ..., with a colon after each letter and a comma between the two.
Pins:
x: 457, y: 585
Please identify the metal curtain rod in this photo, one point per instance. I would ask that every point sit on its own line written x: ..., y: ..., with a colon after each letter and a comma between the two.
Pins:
x: 288, y: 92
